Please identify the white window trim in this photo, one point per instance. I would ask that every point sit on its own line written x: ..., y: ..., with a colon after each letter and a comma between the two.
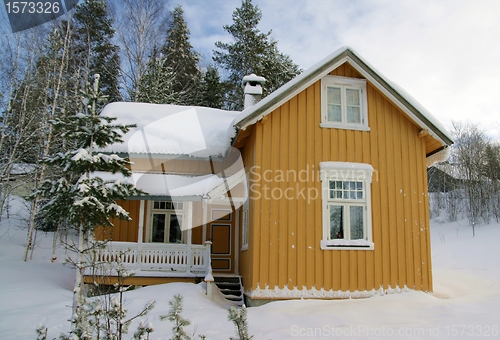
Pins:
x: 344, y: 82
x: 186, y: 214
x: 344, y: 171
x: 244, y: 226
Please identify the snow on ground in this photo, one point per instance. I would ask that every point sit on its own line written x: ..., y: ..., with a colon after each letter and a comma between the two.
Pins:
x: 466, y: 301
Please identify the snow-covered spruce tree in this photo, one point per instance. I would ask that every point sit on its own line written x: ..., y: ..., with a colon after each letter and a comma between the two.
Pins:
x: 93, y: 50
x: 212, y: 89
x: 251, y: 51
x: 239, y: 317
x: 181, y: 58
x: 156, y: 85
x: 83, y: 200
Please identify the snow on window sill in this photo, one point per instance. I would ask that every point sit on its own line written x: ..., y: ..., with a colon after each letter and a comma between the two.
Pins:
x: 344, y: 126
x: 346, y: 245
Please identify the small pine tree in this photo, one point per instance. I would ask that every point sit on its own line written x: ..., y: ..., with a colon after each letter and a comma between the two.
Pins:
x: 41, y: 332
x: 143, y: 331
x: 105, y: 317
x: 239, y: 317
x: 174, y: 315
x: 78, y: 198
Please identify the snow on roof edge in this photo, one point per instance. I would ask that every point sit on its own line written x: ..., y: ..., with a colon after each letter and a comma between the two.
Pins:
x: 254, y: 113
x: 165, y: 129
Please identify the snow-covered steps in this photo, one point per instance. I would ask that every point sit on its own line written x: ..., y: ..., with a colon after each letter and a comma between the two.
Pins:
x: 231, y: 287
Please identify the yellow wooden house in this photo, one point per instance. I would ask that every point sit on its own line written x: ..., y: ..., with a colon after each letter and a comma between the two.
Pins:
x: 317, y: 191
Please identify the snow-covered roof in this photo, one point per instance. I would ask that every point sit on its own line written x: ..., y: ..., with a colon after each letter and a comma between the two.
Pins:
x: 172, y: 129
x: 164, y: 129
x: 253, y: 78
x: 19, y: 169
x: 408, y: 104
x: 166, y: 185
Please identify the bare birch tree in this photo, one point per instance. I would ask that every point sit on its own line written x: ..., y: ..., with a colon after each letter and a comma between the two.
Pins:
x: 141, y: 26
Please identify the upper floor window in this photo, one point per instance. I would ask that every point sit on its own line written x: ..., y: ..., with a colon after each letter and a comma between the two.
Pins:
x: 343, y: 103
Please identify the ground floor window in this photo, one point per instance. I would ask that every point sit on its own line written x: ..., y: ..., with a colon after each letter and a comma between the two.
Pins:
x: 346, y: 205
x: 167, y: 220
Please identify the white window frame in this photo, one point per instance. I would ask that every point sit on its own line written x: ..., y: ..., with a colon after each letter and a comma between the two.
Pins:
x: 344, y: 83
x: 185, y: 214
x: 244, y: 225
x: 343, y: 171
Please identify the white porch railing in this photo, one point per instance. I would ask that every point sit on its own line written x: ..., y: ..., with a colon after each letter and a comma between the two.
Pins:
x: 157, y: 259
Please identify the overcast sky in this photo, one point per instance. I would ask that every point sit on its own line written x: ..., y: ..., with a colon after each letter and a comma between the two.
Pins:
x: 445, y: 53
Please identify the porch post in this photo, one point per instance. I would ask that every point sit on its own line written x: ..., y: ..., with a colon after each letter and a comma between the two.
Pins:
x: 189, y: 239
x: 140, y: 235
x: 204, y: 219
x: 209, y: 279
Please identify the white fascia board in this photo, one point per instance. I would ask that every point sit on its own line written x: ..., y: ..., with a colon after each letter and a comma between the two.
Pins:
x: 318, y: 71
x: 228, y: 184
x: 395, y: 100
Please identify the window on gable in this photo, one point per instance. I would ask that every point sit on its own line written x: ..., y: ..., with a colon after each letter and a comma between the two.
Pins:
x: 346, y: 205
x: 344, y: 103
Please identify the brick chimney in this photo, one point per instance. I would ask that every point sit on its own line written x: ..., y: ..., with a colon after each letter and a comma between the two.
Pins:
x: 252, y: 86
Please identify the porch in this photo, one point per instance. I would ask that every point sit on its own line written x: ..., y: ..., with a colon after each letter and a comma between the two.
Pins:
x: 156, y: 259
x: 169, y: 237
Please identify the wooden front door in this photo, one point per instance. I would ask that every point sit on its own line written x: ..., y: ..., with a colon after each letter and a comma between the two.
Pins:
x: 221, y: 231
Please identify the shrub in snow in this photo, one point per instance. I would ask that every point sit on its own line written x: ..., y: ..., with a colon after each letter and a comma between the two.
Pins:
x: 174, y: 315
x: 104, y: 318
x: 41, y: 332
x: 239, y: 317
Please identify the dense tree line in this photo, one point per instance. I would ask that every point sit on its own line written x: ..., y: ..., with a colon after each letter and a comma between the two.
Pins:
x: 468, y: 183
x: 142, y: 51
x: 56, y: 78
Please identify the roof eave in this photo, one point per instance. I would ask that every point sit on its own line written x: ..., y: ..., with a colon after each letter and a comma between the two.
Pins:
x: 396, y: 97
x: 276, y: 99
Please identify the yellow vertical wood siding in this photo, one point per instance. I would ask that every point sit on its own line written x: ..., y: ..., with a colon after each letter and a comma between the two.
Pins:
x: 285, y: 234
x: 122, y: 230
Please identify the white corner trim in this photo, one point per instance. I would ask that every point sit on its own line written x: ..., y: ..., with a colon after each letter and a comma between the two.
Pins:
x: 285, y: 293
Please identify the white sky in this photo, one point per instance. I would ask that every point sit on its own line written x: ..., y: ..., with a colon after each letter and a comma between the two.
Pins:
x: 445, y: 53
